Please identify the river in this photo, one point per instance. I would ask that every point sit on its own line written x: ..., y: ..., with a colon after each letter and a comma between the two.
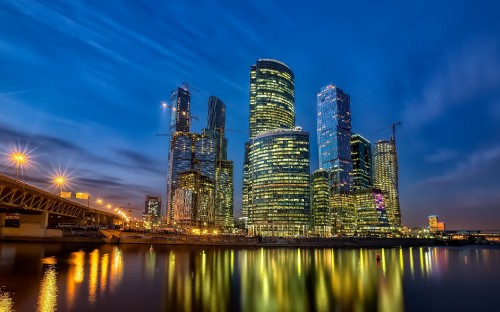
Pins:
x: 68, y: 277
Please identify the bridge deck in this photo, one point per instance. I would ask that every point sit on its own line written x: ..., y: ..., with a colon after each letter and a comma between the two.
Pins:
x: 16, y: 195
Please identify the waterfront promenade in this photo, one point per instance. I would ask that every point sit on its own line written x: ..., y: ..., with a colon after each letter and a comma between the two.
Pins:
x: 116, y: 237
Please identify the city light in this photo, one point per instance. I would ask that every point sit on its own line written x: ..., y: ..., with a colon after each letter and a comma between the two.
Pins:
x: 20, y: 158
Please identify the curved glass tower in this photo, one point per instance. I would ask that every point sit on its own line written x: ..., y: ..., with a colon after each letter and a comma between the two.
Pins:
x: 385, y: 177
x: 279, y: 194
x: 272, y: 101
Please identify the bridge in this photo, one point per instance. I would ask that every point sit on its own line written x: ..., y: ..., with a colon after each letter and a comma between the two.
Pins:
x: 26, y: 210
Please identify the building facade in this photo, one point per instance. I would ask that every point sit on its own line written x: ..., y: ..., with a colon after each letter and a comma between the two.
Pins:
x: 180, y: 116
x: 321, y: 215
x: 272, y: 96
x: 216, y: 114
x: 224, y: 216
x: 385, y: 177
x: 188, y: 151
x: 334, y: 135
x: 279, y: 193
x: 153, y: 206
x: 361, y: 155
x: 371, y: 213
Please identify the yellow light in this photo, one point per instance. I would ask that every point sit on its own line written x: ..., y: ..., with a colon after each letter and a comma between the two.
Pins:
x: 99, y: 201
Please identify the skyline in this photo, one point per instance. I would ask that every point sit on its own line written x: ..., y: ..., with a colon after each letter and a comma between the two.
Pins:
x: 114, y: 71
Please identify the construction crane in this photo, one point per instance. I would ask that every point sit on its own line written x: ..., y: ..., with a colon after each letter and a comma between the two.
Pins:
x: 393, y: 126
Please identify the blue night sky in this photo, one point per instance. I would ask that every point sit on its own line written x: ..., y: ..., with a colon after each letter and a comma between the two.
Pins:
x: 82, y: 81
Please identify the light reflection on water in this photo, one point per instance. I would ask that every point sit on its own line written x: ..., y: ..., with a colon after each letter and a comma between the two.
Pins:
x: 219, y: 279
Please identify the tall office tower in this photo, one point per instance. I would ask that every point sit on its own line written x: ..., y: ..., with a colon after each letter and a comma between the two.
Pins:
x: 216, y: 114
x: 180, y: 117
x: 279, y: 192
x: 371, y: 212
x: 334, y: 135
x: 433, y: 223
x: 385, y: 177
x: 224, y: 194
x: 224, y: 168
x: 320, y: 203
x: 272, y: 106
x: 272, y: 100
x: 188, y: 151
x: 361, y: 154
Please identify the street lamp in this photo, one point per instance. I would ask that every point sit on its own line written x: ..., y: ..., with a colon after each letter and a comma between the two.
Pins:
x: 19, y: 159
x: 60, y: 181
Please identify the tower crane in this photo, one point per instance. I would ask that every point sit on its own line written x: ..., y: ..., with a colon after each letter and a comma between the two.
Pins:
x: 393, y: 126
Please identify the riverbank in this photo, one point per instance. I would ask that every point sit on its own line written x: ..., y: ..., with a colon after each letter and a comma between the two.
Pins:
x: 112, y: 237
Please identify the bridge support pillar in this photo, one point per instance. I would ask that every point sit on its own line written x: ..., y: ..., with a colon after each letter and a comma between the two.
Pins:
x: 2, y: 219
x: 32, y: 226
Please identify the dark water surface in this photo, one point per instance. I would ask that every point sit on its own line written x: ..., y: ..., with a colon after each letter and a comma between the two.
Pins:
x: 66, y: 277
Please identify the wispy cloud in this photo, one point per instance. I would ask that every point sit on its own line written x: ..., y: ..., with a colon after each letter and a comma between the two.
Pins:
x: 463, y: 75
x: 441, y: 155
x: 476, y: 163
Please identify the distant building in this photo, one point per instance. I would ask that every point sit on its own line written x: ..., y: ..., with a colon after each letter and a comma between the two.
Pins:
x: 385, y: 177
x: 361, y: 155
x: 433, y: 223
x: 180, y: 117
x: 334, y: 135
x: 279, y: 194
x: 321, y: 214
x: 153, y: 208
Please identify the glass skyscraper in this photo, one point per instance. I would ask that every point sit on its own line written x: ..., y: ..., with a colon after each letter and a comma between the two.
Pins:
x: 361, y: 154
x: 216, y: 123
x: 385, y: 177
x: 272, y: 99
x: 279, y: 192
x: 180, y: 119
x: 334, y: 135
x: 216, y: 114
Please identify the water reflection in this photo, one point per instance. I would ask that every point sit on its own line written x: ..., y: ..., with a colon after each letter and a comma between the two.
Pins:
x: 47, y: 299
x: 6, y: 302
x: 219, y: 279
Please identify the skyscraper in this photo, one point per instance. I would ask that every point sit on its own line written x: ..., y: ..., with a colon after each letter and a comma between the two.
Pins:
x: 272, y: 99
x: 180, y: 118
x: 224, y: 190
x: 272, y: 106
x: 334, y: 135
x: 361, y: 154
x: 216, y: 114
x: 320, y: 203
x: 224, y: 193
x: 385, y: 177
x: 279, y: 192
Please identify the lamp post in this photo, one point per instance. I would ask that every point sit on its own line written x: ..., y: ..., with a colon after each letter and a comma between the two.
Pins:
x: 60, y: 182
x: 19, y: 158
